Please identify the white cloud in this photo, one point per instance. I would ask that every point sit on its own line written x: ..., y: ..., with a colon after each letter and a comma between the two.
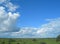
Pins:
x: 2, y: 1
x: 51, y: 29
x: 8, y: 18
x: 26, y: 31
x: 7, y: 23
x: 11, y: 6
x: 2, y: 14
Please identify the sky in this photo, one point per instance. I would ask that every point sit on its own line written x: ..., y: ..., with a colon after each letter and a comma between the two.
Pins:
x: 35, y: 12
x: 29, y: 18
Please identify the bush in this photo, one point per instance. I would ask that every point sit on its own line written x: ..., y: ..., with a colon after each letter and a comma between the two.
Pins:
x: 3, y: 42
x: 18, y: 43
x: 42, y: 43
x: 58, y: 38
x: 34, y: 40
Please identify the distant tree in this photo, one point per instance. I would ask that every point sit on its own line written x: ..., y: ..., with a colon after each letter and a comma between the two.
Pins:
x: 58, y: 38
x: 42, y: 43
x: 33, y: 39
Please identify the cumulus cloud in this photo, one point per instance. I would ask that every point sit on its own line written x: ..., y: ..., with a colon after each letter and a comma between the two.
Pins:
x: 8, y: 16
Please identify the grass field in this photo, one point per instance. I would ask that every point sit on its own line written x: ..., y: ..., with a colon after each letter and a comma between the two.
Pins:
x: 28, y: 41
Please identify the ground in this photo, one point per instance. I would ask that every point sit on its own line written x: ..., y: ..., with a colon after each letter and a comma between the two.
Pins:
x: 28, y: 41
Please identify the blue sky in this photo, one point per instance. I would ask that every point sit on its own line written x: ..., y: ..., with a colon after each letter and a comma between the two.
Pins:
x: 29, y: 18
x: 34, y: 12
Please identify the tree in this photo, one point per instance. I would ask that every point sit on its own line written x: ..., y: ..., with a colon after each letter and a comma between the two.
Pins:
x: 58, y: 38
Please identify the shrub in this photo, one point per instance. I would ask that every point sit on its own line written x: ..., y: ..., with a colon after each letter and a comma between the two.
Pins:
x: 3, y: 42
x: 58, y: 38
x: 42, y: 43
x: 18, y: 43
x: 34, y: 40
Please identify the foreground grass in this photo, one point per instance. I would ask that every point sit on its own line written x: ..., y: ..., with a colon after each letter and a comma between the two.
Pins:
x: 28, y: 41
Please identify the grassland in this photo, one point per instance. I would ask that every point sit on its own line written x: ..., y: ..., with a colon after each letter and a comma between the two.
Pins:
x: 28, y: 41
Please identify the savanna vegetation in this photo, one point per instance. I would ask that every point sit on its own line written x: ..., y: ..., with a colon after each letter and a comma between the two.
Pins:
x: 29, y: 40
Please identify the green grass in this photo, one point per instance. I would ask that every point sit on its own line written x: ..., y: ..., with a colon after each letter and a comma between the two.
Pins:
x: 28, y: 40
